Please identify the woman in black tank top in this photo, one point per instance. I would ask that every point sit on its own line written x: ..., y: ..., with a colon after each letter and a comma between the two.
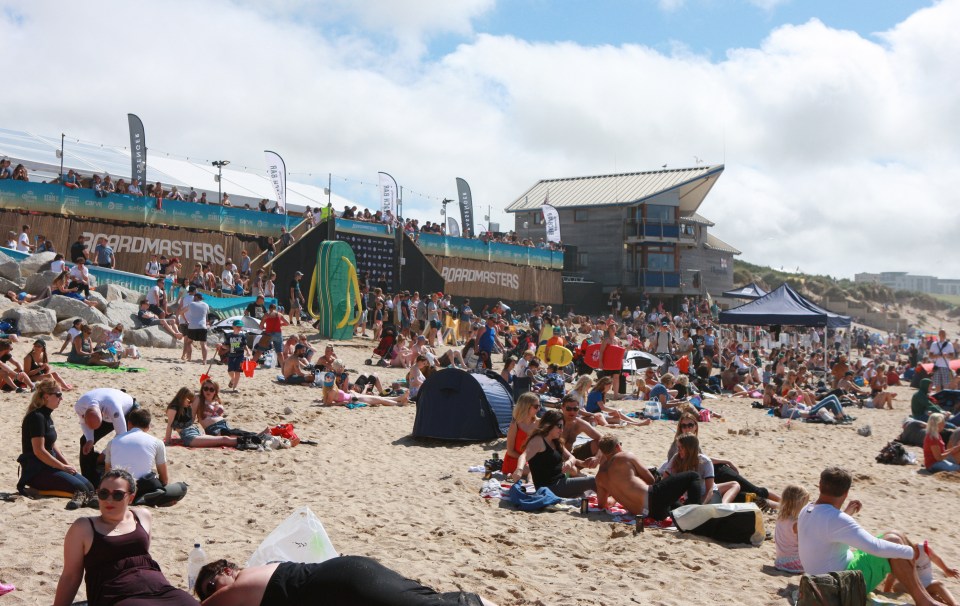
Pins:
x: 112, y: 552
x: 551, y: 464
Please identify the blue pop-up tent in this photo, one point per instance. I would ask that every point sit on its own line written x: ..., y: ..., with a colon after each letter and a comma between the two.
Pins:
x: 750, y: 291
x: 783, y: 306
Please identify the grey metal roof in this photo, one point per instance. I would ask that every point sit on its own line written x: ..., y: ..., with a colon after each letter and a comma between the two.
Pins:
x: 621, y: 189
x: 715, y: 243
x: 697, y: 219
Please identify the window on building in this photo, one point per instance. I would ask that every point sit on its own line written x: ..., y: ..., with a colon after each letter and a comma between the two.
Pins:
x: 538, y: 218
x: 658, y: 213
x: 582, y: 260
x: 660, y: 258
x: 580, y: 214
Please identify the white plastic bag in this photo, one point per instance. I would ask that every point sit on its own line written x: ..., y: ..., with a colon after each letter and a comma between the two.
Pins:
x: 299, y: 538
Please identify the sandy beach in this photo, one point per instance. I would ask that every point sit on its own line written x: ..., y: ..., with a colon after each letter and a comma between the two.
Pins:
x: 416, y: 508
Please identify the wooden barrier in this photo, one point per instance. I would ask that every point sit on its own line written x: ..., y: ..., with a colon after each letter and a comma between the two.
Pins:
x: 469, y: 278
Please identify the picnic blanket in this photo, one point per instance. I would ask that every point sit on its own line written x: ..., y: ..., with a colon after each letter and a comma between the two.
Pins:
x: 97, y: 368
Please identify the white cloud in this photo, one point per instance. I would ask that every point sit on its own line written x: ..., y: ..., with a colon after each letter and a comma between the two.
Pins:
x: 840, y: 150
x: 671, y: 5
x: 768, y: 5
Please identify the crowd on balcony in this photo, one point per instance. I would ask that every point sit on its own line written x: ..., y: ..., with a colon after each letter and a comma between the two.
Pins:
x: 19, y: 173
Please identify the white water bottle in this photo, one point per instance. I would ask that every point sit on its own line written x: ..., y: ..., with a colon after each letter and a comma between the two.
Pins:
x: 195, y: 562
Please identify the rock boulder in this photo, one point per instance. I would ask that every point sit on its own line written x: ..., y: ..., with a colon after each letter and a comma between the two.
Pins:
x: 33, y: 320
x: 6, y: 285
x: 122, y: 312
x: 37, y: 283
x: 115, y: 292
x: 36, y: 263
x: 11, y: 271
x: 151, y: 336
x: 66, y: 307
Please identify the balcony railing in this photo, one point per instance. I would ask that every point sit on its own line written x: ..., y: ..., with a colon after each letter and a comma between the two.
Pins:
x: 647, y: 230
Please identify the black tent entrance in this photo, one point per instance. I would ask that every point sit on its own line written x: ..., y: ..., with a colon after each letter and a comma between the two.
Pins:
x: 455, y: 404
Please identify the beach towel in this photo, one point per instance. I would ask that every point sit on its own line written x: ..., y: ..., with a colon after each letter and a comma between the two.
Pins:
x: 97, y: 368
x: 525, y: 501
x: 727, y: 522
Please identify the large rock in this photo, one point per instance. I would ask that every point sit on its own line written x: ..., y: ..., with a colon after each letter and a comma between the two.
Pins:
x: 121, y: 312
x: 98, y: 300
x: 152, y: 336
x: 67, y: 307
x: 36, y: 263
x: 11, y: 271
x: 115, y: 292
x: 39, y: 282
x: 32, y: 320
x: 99, y: 332
x: 6, y: 285
x: 4, y: 258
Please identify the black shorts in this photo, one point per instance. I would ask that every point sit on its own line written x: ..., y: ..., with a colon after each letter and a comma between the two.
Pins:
x: 197, y: 334
x: 155, y: 309
x: 234, y: 363
x: 295, y: 380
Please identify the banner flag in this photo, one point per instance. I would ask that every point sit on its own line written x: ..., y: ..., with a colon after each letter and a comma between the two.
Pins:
x: 138, y: 151
x: 277, y: 173
x: 388, y: 194
x: 551, y: 220
x: 466, y: 207
x: 453, y: 229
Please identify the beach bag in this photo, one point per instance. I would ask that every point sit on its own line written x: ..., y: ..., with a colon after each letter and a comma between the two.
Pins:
x: 725, y: 522
x: 285, y: 430
x: 845, y: 588
x: 300, y: 538
x: 894, y: 454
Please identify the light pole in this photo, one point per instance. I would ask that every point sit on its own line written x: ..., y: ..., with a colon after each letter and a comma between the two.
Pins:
x: 443, y: 210
x: 220, y: 164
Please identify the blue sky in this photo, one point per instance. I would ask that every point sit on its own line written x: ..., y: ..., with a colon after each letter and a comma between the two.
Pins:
x: 705, y: 27
x: 834, y: 119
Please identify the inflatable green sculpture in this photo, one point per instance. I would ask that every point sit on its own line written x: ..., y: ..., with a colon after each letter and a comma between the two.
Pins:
x: 335, y: 291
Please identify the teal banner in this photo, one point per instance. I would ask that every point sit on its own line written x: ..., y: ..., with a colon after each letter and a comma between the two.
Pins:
x: 57, y: 200
x: 464, y: 248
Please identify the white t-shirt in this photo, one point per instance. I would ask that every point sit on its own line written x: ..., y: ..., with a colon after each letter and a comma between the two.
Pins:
x: 80, y: 273
x: 226, y: 279
x: 196, y: 315
x: 135, y: 451
x: 58, y: 266
x: 936, y: 348
x: 704, y: 466
x: 23, y: 242
x: 152, y: 268
x: 826, y: 535
x: 153, y: 295
x: 113, y: 404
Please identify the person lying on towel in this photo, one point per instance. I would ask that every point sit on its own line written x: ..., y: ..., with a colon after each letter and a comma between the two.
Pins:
x: 342, y: 581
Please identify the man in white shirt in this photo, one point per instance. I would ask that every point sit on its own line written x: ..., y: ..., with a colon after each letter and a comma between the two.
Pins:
x: 941, y: 352
x: 100, y: 411
x: 226, y: 277
x: 826, y: 535
x: 195, y: 313
x: 157, y: 299
x: 152, y: 268
x: 80, y: 278
x: 139, y: 452
x: 23, y: 241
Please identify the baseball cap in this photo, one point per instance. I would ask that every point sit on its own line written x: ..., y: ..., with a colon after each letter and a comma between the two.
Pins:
x: 298, y: 273
x: 238, y: 322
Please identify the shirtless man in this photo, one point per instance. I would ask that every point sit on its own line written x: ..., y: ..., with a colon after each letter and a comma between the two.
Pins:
x: 573, y: 426
x: 622, y: 477
x: 293, y: 367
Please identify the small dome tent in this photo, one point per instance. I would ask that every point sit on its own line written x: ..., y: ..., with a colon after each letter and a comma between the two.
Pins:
x: 458, y: 405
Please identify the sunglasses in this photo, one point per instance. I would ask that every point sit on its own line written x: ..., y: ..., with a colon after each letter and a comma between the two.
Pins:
x: 571, y: 408
x: 210, y: 389
x: 687, y: 425
x: 117, y: 495
x: 58, y: 394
